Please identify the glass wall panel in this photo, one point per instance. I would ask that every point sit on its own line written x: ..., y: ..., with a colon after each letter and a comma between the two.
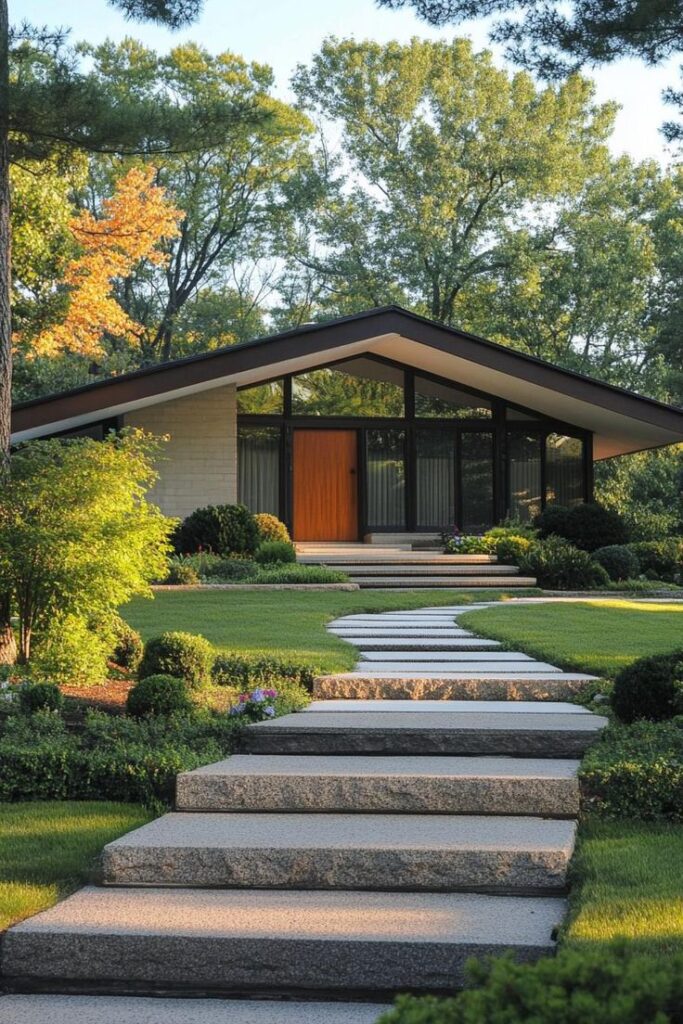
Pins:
x: 476, y: 462
x: 564, y: 483
x: 263, y: 399
x: 357, y: 387
x: 433, y: 399
x: 524, y: 475
x: 386, y: 478
x: 435, y: 478
x: 258, y: 468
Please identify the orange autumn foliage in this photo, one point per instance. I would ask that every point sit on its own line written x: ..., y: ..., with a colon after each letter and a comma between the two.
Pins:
x: 133, y: 222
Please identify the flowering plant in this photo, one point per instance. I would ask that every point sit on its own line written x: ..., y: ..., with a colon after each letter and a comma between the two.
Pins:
x: 255, y: 706
x: 456, y: 543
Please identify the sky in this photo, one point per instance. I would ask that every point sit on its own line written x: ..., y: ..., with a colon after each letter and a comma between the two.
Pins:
x: 284, y: 33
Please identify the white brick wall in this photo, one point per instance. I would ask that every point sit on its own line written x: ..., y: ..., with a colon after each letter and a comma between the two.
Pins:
x: 199, y: 466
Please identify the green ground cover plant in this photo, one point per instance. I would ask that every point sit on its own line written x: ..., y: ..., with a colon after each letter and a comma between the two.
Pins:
x: 599, y: 636
x: 48, y: 848
x: 289, y: 625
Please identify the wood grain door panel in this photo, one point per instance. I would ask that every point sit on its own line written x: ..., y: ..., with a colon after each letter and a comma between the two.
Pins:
x: 325, y: 485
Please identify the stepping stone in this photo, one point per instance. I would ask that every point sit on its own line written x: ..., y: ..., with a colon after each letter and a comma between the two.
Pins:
x: 491, y: 658
x: 255, y: 941
x: 418, y: 785
x: 366, y: 685
x: 462, y: 643
x: 38, y: 1009
x: 422, y: 666
x: 528, y: 735
x: 367, y: 633
x: 440, y: 706
x: 433, y: 853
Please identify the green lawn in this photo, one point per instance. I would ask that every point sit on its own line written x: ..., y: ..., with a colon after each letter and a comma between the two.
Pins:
x: 628, y: 884
x: 598, y: 636
x: 288, y: 622
x: 47, y: 849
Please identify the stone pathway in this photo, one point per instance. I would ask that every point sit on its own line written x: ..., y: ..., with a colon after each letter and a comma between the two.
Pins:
x: 425, y: 653
x: 356, y: 849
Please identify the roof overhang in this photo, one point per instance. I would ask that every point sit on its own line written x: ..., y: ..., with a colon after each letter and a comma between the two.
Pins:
x: 621, y: 421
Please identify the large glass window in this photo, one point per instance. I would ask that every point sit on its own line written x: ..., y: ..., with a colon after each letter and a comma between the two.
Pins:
x: 434, y: 399
x: 262, y: 399
x: 258, y: 468
x: 356, y: 387
x: 564, y: 470
x: 435, y: 478
x: 386, y: 478
x: 476, y: 483
x: 524, y: 475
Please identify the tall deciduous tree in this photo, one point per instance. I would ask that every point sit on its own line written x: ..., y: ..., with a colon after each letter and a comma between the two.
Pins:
x: 448, y: 172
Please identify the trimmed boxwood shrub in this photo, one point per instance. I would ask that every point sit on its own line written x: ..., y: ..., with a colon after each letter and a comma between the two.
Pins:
x: 270, y: 527
x: 183, y: 655
x: 588, y: 526
x: 635, y: 771
x: 558, y: 565
x: 282, y: 574
x: 618, y: 561
x: 40, y: 697
x: 650, y: 688
x: 273, y: 552
x: 245, y: 672
x: 221, y: 529
x: 158, y: 695
x: 612, y: 985
x: 660, y: 559
x: 511, y: 549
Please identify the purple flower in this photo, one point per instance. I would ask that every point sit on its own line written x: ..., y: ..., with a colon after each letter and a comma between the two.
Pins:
x: 269, y: 711
x: 257, y: 696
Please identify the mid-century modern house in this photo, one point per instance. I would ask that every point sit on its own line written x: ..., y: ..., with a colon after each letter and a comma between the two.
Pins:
x: 379, y: 422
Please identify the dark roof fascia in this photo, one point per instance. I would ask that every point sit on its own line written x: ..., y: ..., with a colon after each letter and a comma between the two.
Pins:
x: 312, y: 339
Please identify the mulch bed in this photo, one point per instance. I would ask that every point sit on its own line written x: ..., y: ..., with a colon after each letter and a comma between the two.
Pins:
x: 109, y: 696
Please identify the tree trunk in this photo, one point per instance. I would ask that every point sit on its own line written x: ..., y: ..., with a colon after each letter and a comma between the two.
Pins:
x: 8, y: 645
x: 5, y: 252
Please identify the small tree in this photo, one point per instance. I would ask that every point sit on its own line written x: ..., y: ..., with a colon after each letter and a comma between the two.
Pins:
x: 77, y: 537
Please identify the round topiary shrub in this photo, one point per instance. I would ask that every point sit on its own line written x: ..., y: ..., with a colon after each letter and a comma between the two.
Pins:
x: 660, y: 559
x: 221, y: 529
x: 158, y: 695
x: 650, y: 688
x: 182, y: 655
x: 270, y: 527
x: 128, y: 647
x: 273, y: 552
x: 588, y: 526
x: 510, y: 550
x: 558, y: 565
x: 40, y: 697
x: 618, y: 561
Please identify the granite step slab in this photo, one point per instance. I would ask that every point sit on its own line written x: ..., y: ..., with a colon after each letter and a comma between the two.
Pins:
x: 410, y: 785
x: 421, y: 666
x: 365, y: 686
x: 63, y: 1009
x: 379, y: 852
x: 242, y: 942
x: 440, y: 706
x: 530, y: 735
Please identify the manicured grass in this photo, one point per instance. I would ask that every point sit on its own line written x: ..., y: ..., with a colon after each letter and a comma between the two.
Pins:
x: 598, y: 636
x: 47, y: 849
x: 290, y: 623
x: 628, y: 885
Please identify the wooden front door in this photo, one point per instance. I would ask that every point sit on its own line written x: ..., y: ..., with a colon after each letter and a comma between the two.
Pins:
x: 325, y: 485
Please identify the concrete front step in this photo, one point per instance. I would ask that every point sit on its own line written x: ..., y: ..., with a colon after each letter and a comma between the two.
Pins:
x: 240, y: 942
x: 61, y: 1009
x: 487, y: 582
x: 379, y: 852
x: 529, y: 735
x: 424, y: 569
x: 439, y: 706
x: 422, y: 667
x: 368, y: 685
x: 415, y: 558
x: 412, y: 785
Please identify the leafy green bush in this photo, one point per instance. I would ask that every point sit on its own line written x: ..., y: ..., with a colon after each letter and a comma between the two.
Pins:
x: 246, y: 672
x: 650, y: 688
x: 220, y: 529
x: 636, y: 771
x: 69, y: 650
x: 465, y: 544
x: 592, y: 986
x: 271, y: 528
x: 183, y: 655
x: 511, y: 549
x: 128, y: 648
x: 588, y: 526
x: 181, y: 572
x: 512, y: 528
x: 215, y: 569
x: 618, y: 561
x: 558, y: 565
x: 158, y: 695
x: 274, y: 552
x: 40, y: 697
x: 299, y: 574
x: 660, y: 559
